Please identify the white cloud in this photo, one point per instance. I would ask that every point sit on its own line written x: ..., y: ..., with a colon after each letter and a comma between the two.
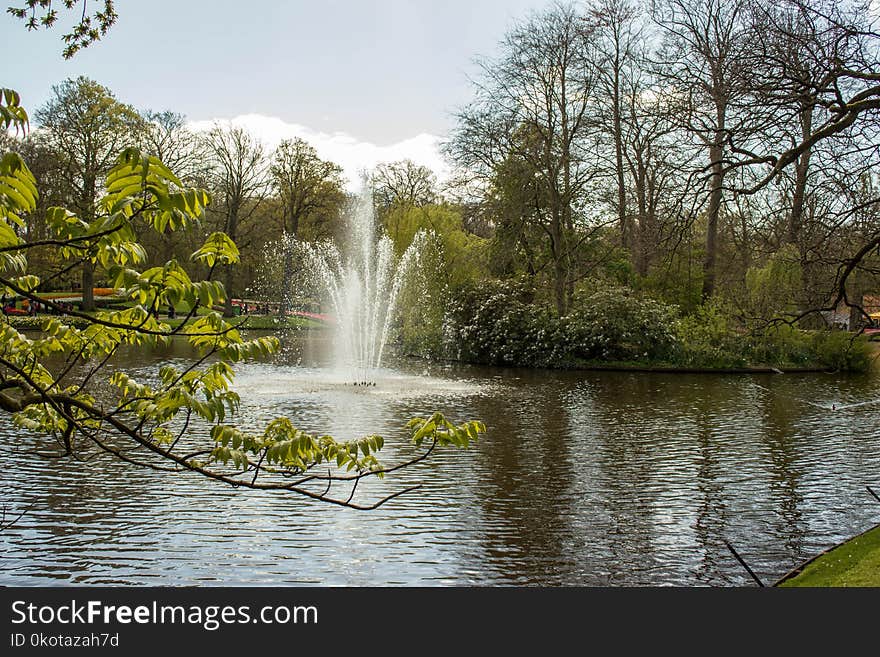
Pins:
x: 352, y: 154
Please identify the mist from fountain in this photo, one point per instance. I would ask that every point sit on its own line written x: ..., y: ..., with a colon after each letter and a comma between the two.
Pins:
x: 361, y: 284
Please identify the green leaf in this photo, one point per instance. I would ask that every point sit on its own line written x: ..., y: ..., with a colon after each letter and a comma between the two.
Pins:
x: 219, y: 247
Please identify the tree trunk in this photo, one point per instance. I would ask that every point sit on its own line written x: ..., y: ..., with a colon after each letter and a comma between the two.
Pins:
x: 640, y: 241
x: 625, y: 237
x: 228, y: 308
x: 89, y: 199
x: 712, y: 214
x: 88, y: 286
x: 557, y: 251
x: 559, y: 288
x: 796, y: 218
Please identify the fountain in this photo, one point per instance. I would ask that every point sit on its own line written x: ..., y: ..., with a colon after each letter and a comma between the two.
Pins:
x: 362, y: 284
x: 360, y: 280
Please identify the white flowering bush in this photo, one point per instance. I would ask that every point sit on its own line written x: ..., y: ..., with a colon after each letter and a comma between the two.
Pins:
x: 614, y: 324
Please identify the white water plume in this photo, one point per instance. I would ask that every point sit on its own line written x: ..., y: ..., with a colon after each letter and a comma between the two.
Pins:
x: 361, y: 284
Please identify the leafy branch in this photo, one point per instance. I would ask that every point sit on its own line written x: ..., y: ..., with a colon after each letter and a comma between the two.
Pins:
x: 88, y: 27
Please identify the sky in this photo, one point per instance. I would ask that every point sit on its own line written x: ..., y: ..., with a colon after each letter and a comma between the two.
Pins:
x: 364, y: 81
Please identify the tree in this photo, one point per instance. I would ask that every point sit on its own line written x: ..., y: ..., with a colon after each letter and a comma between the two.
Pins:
x: 310, y: 189
x: 652, y: 162
x: 849, y: 94
x: 85, y: 128
x: 237, y: 176
x: 534, y: 104
x: 618, y: 36
x: 701, y: 63
x: 817, y: 65
x: 166, y: 136
x: 403, y: 183
x: 149, y: 425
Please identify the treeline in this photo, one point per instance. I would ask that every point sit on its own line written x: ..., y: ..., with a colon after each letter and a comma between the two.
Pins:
x: 690, y: 182
x: 687, y: 149
x: 709, y: 164
x: 261, y: 199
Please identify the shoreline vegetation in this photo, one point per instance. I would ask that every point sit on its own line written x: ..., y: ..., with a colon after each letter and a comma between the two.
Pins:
x: 501, y: 323
x: 269, y: 323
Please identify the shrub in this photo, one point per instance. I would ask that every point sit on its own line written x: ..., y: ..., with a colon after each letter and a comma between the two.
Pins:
x: 779, y: 344
x: 707, y: 338
x: 497, y: 323
x: 841, y: 350
x: 615, y: 325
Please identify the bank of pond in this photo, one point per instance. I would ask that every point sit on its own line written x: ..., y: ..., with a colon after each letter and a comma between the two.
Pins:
x: 855, y: 562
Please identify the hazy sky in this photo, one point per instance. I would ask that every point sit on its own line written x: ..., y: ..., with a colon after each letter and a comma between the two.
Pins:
x: 363, y: 80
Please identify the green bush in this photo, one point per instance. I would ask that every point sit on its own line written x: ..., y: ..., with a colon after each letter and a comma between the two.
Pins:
x: 499, y: 323
x: 707, y: 338
x: 29, y: 323
x: 775, y: 287
x: 779, y: 344
x: 615, y: 325
x: 712, y: 337
x: 496, y: 323
x: 841, y: 350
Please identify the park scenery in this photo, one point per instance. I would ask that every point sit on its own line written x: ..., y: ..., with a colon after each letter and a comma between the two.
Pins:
x: 585, y: 294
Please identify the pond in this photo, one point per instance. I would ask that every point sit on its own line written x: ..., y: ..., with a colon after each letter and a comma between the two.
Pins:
x: 584, y: 478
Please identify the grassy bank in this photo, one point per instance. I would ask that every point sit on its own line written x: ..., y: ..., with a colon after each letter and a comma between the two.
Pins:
x: 854, y: 563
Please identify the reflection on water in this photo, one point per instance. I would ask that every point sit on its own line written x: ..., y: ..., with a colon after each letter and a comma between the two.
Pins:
x: 585, y: 478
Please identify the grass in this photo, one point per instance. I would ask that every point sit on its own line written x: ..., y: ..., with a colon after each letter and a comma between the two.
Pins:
x: 854, y: 563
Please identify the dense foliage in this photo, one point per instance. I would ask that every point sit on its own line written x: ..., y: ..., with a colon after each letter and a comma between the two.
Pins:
x: 500, y: 324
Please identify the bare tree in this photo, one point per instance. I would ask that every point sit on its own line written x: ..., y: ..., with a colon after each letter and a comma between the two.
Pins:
x: 700, y: 64
x: 166, y: 136
x: 618, y: 35
x: 816, y: 66
x: 653, y: 161
x: 403, y: 183
x: 534, y: 105
x: 238, y: 179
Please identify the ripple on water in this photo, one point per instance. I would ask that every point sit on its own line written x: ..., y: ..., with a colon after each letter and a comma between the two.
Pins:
x: 583, y: 478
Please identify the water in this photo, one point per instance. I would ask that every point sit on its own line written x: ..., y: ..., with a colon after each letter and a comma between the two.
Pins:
x: 585, y: 478
x: 361, y: 287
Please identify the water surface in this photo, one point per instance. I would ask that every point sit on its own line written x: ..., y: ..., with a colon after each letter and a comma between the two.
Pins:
x: 585, y: 478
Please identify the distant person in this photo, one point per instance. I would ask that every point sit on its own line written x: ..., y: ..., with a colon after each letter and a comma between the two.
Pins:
x: 172, y: 313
